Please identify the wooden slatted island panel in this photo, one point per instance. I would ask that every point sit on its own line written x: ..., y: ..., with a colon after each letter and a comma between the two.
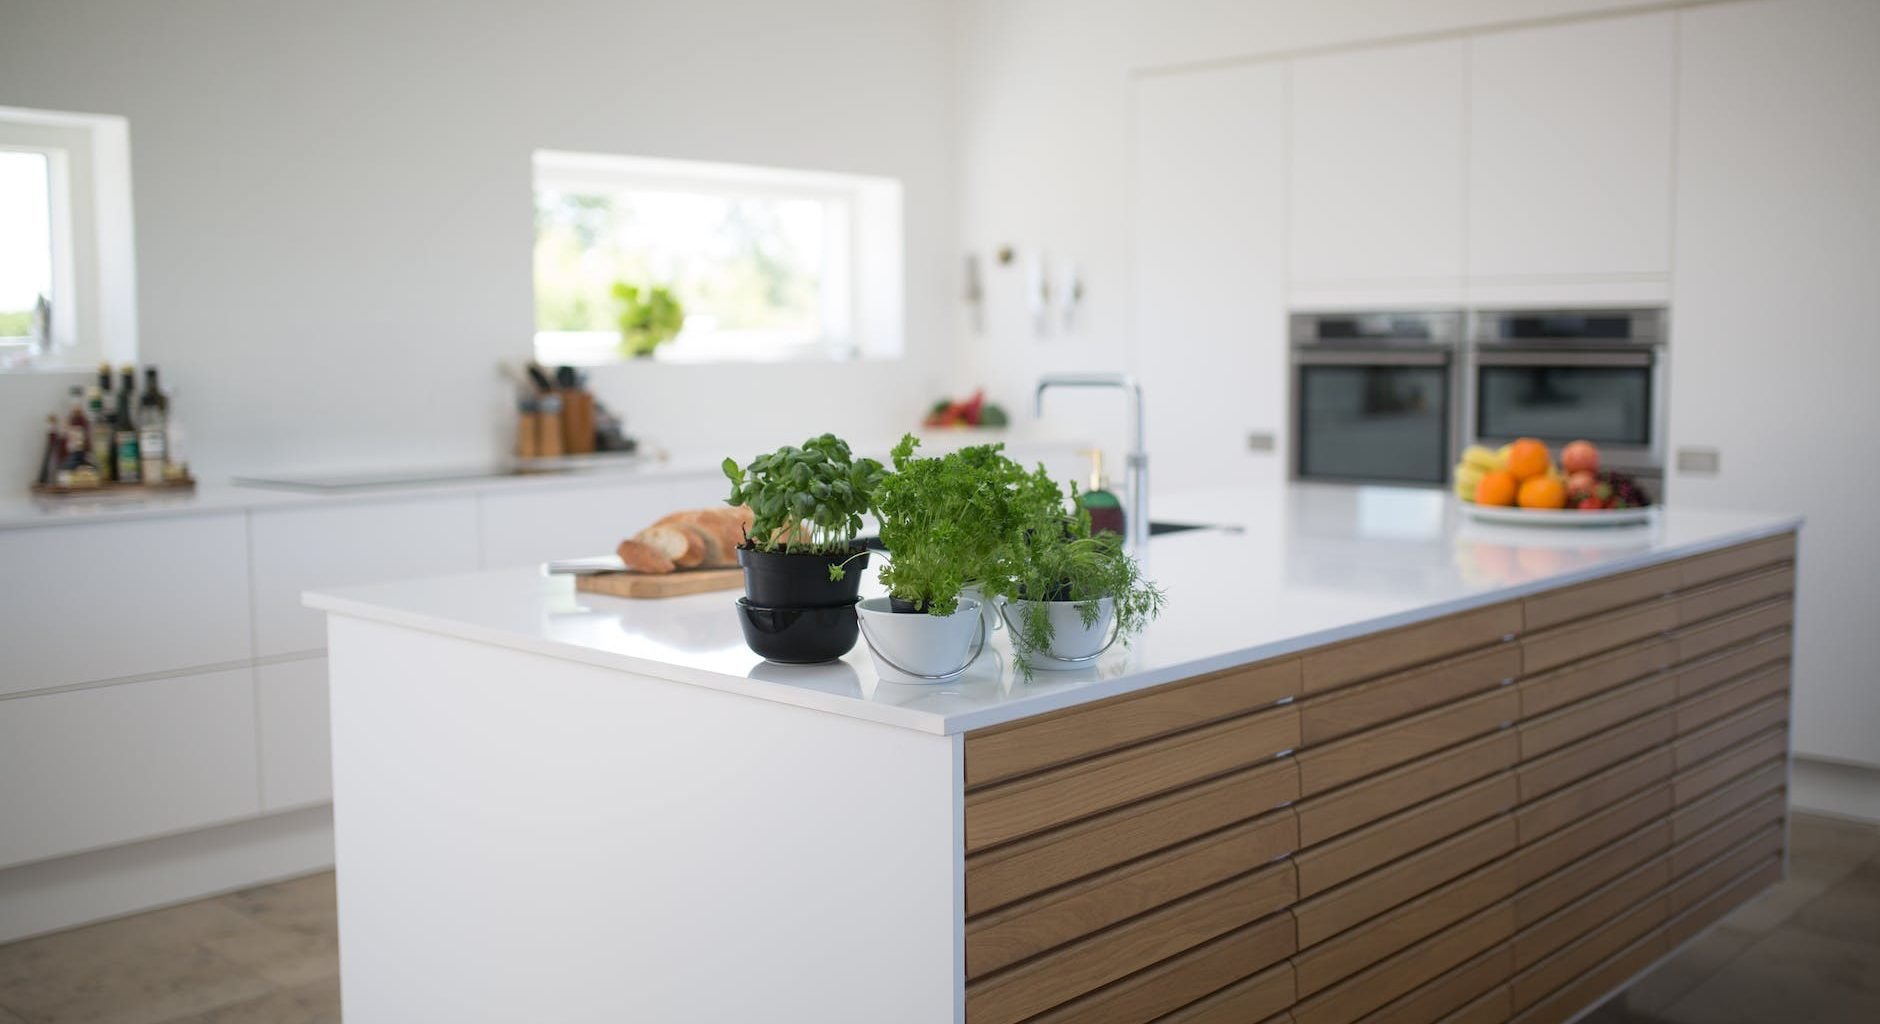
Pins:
x: 1500, y: 815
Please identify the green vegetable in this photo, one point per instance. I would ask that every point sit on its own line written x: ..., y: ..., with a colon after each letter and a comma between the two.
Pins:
x: 809, y: 499
x: 647, y: 322
x: 953, y: 521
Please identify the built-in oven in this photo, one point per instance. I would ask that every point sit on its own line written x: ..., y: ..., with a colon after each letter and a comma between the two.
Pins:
x: 1374, y: 396
x: 1564, y: 375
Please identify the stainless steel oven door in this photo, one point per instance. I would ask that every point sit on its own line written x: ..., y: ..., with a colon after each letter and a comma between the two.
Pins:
x: 1373, y: 416
x: 1612, y: 398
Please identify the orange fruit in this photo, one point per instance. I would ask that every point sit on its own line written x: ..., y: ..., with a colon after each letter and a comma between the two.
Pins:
x: 1527, y: 459
x: 1543, y: 492
x: 1497, y: 488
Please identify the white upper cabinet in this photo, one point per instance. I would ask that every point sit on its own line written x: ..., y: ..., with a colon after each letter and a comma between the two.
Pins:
x: 1376, y: 175
x: 1570, y: 150
x: 1207, y: 270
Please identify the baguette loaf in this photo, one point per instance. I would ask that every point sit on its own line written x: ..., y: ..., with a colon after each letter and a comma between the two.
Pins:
x: 716, y: 530
x: 640, y: 556
x: 694, y: 538
x: 680, y: 545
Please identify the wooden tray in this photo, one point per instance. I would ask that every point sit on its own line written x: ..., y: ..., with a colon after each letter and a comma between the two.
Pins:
x: 166, y: 487
x: 671, y: 584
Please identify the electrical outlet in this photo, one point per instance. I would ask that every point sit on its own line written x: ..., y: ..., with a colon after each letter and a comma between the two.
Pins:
x: 1698, y: 461
x: 1260, y: 442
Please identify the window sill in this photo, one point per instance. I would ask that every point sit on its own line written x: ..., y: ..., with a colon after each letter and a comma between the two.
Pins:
x: 590, y: 349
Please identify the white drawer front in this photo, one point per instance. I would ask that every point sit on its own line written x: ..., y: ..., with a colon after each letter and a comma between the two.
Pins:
x: 104, y: 600
x: 91, y: 768
x: 296, y: 743
x: 300, y: 549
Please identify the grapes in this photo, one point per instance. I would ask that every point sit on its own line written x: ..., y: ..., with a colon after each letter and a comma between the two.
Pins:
x: 1626, y: 493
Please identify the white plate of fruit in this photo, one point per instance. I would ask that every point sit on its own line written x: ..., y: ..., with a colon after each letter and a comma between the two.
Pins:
x: 1522, y: 483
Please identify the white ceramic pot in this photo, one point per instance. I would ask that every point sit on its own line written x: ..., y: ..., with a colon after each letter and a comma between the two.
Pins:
x: 1073, y: 644
x: 922, y: 648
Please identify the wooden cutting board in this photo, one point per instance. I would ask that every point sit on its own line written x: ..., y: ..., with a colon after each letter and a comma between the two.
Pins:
x: 671, y: 584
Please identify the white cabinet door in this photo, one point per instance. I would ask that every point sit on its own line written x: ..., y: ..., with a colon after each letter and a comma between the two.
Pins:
x: 95, y: 767
x: 301, y: 548
x: 105, y: 600
x: 1774, y: 353
x: 1570, y: 138
x: 296, y: 744
x: 528, y: 528
x: 1376, y: 179
x: 1207, y: 265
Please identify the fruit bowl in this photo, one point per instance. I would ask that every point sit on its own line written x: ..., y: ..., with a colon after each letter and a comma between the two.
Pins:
x: 1556, y: 516
x: 1522, y: 484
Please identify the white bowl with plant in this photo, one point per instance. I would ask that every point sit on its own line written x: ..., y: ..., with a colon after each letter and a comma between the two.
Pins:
x: 1071, y: 594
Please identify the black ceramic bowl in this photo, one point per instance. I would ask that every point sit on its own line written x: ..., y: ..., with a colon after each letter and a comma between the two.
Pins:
x: 799, y: 636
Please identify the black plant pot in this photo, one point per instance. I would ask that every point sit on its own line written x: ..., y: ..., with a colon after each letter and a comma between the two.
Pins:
x: 799, y: 636
x: 783, y: 579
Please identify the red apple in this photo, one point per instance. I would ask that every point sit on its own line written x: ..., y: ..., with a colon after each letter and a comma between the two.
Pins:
x: 1582, y: 481
x: 1580, y: 457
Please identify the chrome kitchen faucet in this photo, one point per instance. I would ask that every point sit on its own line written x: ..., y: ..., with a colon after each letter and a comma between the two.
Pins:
x: 1136, y: 477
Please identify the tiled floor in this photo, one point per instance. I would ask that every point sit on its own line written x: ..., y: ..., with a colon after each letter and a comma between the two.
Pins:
x: 264, y: 956
x: 1807, y: 952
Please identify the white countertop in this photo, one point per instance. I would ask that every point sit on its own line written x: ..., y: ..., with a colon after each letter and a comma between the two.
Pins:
x: 212, y: 498
x: 1311, y: 564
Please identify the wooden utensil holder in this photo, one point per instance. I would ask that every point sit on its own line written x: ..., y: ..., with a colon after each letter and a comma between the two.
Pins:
x: 577, y: 421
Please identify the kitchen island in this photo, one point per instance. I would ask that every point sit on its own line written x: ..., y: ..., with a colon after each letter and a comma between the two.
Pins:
x: 1374, y: 762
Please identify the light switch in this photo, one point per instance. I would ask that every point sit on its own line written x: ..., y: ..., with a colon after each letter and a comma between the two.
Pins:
x: 1698, y: 461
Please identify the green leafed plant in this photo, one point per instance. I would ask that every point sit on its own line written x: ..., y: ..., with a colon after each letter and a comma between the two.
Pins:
x: 1063, y: 561
x: 649, y: 317
x: 808, y: 499
x: 954, y: 520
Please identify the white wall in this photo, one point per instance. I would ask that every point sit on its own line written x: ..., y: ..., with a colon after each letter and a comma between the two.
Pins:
x: 333, y: 208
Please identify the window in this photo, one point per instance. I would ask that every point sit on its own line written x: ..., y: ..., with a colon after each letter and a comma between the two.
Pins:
x: 67, y: 283
x: 25, y: 247
x: 767, y: 264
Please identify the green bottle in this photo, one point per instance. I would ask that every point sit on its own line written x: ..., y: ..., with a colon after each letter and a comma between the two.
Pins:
x: 1105, y: 508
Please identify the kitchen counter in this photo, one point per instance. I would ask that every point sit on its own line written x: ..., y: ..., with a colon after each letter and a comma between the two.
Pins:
x: 1374, y: 762
x: 209, y: 498
x: 26, y: 511
x: 1295, y: 568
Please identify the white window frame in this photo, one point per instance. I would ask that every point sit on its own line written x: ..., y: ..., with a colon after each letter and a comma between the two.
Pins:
x: 94, y: 262
x: 861, y: 289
